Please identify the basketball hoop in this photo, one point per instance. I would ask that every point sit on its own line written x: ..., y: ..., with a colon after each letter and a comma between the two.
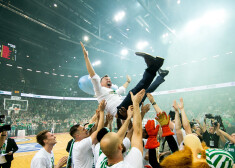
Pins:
x: 17, y: 110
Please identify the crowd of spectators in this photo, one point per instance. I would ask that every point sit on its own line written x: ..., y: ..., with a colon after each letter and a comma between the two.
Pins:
x: 44, y: 113
x: 48, y: 114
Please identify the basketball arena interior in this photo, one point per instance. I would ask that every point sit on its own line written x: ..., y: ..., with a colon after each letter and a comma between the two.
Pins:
x: 45, y: 83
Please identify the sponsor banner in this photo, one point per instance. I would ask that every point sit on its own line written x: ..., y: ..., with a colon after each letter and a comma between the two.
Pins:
x: 205, y: 87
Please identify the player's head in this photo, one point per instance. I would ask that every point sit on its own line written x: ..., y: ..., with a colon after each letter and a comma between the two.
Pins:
x: 105, y: 81
x: 45, y: 137
x: 111, y: 145
x: 78, y: 132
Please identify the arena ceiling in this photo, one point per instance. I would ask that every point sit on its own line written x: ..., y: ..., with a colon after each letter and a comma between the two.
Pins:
x: 47, y: 32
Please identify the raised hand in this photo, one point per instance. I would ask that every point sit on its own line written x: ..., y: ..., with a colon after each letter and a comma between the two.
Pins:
x: 102, y: 106
x: 109, y: 118
x: 152, y: 133
x: 175, y: 106
x: 85, y: 52
x: 150, y: 97
x: 181, y: 105
x: 163, y: 119
x: 130, y: 111
x: 145, y: 108
x: 128, y: 78
x: 138, y: 97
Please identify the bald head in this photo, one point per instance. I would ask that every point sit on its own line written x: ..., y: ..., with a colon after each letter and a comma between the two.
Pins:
x: 110, y: 145
x: 193, y: 142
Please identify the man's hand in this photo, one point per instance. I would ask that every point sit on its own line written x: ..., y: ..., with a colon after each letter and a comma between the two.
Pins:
x: 62, y: 162
x: 109, y: 118
x: 145, y: 108
x: 128, y: 78
x: 150, y: 97
x: 175, y: 106
x: 10, y: 153
x: 85, y: 52
x: 102, y: 106
x: 130, y: 112
x: 181, y: 105
x: 138, y: 97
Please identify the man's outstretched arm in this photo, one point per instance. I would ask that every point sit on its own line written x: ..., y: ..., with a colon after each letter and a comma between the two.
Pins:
x: 128, y: 80
x: 88, y: 63
x: 136, y: 140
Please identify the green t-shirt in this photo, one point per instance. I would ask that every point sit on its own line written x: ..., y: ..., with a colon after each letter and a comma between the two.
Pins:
x: 218, y: 158
x: 230, y: 148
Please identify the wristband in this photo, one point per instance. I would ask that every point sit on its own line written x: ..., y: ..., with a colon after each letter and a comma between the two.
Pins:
x: 154, y: 103
x: 128, y: 81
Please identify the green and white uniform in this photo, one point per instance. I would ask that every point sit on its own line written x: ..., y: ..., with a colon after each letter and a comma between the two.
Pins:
x: 218, y: 158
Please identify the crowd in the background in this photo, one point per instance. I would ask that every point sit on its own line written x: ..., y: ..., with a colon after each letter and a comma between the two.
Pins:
x: 48, y: 114
x: 200, y: 107
x: 63, y: 113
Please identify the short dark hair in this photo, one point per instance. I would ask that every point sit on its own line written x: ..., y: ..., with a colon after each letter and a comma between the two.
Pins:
x: 73, y: 129
x: 102, y: 133
x: 42, y: 136
x: 103, y: 77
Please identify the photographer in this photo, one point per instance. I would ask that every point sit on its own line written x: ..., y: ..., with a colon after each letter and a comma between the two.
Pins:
x: 211, y: 137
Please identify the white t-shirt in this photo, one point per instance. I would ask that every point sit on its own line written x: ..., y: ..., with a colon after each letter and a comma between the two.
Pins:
x: 113, y: 98
x: 183, y: 132
x: 82, y: 156
x: 145, y: 162
x: 43, y: 159
x: 126, y: 142
x: 132, y: 160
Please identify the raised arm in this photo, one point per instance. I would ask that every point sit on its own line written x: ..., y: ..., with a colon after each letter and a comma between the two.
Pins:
x: 226, y: 135
x: 109, y: 121
x: 204, y: 125
x: 122, y: 131
x: 179, y: 134
x: 219, y: 133
x: 128, y: 80
x: 152, y: 101
x: 136, y: 140
x: 144, y: 109
x: 88, y: 63
x: 185, y: 120
x: 101, y: 121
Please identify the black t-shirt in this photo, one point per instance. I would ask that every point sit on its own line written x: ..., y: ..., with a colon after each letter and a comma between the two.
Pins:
x: 211, y: 140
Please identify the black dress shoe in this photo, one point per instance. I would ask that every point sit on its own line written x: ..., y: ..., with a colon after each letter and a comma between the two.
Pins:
x: 163, y: 73
x: 154, y: 63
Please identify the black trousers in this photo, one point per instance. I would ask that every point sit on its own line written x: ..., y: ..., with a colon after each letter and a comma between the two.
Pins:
x: 5, y: 165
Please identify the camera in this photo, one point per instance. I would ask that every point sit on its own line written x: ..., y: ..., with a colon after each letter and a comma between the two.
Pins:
x: 209, y: 116
x: 4, y: 127
x: 217, y: 119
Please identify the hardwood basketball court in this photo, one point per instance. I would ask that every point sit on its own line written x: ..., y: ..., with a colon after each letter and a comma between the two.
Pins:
x: 23, y: 159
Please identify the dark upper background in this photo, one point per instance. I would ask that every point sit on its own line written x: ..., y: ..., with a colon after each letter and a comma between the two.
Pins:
x: 47, y: 39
